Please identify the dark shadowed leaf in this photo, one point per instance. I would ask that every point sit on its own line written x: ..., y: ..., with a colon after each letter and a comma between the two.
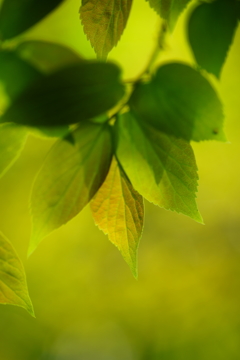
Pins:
x: 13, y: 285
x: 69, y: 178
x: 169, y: 9
x: 160, y: 167
x: 47, y: 56
x: 15, y: 74
x: 181, y: 102
x: 73, y: 94
x: 211, y: 31
x: 16, y: 16
x: 118, y: 211
x: 12, y: 140
x: 104, y: 22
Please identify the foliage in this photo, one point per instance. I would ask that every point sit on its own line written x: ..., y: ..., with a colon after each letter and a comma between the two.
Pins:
x: 118, y: 141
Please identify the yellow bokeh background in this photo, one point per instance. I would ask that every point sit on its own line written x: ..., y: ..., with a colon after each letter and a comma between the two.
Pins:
x: 186, y: 303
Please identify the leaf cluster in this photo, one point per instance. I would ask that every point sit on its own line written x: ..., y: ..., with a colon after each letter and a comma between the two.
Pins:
x: 118, y: 143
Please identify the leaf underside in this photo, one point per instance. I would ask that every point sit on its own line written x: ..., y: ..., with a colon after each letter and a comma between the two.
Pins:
x: 180, y: 102
x: 169, y: 9
x: 104, y: 22
x: 160, y: 167
x: 13, y: 285
x: 46, y: 56
x: 17, y: 16
x: 12, y: 140
x: 69, y: 178
x: 211, y: 30
x: 118, y: 210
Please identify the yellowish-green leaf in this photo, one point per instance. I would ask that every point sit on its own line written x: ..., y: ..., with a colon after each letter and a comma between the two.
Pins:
x: 160, y: 167
x: 12, y: 140
x: 13, y: 285
x: 71, y: 175
x: 104, y: 22
x: 169, y: 9
x: 118, y: 210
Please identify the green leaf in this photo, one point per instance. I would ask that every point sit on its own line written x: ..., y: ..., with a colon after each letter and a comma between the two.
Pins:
x: 17, y: 16
x: 160, y: 167
x: 180, y: 102
x: 70, y: 95
x: 46, y: 56
x: 69, y: 178
x: 15, y: 74
x: 169, y: 9
x: 13, y: 285
x: 12, y: 141
x: 211, y: 30
x: 104, y: 22
x: 118, y: 210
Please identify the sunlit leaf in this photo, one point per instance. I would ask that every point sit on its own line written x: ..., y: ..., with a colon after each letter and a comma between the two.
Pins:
x: 12, y: 140
x: 211, y: 31
x: 47, y: 56
x: 118, y: 211
x: 69, y: 178
x: 181, y: 102
x: 169, y: 9
x: 70, y: 95
x: 104, y: 22
x: 13, y: 285
x: 16, y: 16
x: 160, y: 167
x: 15, y: 74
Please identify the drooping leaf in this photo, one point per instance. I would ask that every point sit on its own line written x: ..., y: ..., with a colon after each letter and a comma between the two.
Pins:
x: 47, y: 56
x: 69, y: 178
x: 211, y: 31
x: 15, y: 74
x: 118, y: 211
x: 180, y: 102
x: 70, y: 95
x: 13, y: 285
x: 12, y: 140
x: 169, y: 9
x: 104, y: 22
x: 17, y: 16
x: 160, y: 167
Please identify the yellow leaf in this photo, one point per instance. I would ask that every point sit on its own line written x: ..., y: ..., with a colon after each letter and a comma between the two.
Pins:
x: 118, y: 210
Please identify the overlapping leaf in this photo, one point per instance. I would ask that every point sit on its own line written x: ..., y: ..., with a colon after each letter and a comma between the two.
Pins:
x: 169, y: 9
x: 16, y: 16
x: 15, y: 74
x: 104, y: 22
x: 180, y: 102
x: 13, y: 285
x: 118, y: 211
x: 12, y: 140
x: 70, y: 95
x: 160, y: 167
x: 211, y: 31
x: 47, y: 56
x: 70, y: 177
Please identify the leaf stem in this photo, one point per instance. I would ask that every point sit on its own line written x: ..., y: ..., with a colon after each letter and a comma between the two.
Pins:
x: 160, y: 45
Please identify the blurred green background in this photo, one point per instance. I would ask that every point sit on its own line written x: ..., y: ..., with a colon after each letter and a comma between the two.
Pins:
x: 186, y: 303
